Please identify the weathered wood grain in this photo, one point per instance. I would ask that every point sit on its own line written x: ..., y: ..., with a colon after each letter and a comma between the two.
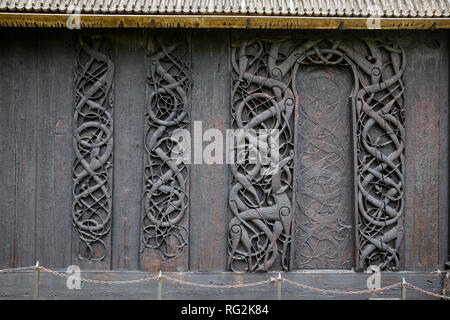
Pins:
x: 444, y: 136
x: 209, y: 182
x: 128, y: 149
x: 422, y: 153
x: 324, y: 218
x: 54, y: 149
x: 26, y: 82
x: 20, y: 286
x: 8, y: 149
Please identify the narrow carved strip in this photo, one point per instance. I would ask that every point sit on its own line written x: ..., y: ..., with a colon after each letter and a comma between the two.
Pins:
x: 263, y: 96
x: 260, y: 229
x: 93, y: 148
x: 165, y: 193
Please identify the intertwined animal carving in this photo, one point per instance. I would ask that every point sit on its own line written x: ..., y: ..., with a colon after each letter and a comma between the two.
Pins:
x: 165, y: 179
x: 93, y: 148
x: 264, y: 97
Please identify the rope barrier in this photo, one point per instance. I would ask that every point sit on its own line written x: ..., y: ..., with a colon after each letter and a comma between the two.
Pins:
x: 232, y: 286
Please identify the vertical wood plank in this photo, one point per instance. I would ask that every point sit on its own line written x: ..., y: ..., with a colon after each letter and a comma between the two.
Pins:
x: 209, y: 182
x: 444, y: 151
x: 26, y: 81
x: 128, y: 149
x: 54, y: 150
x: 7, y: 155
x: 422, y: 153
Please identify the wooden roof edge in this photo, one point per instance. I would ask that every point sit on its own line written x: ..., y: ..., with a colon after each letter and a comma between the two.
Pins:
x: 47, y: 20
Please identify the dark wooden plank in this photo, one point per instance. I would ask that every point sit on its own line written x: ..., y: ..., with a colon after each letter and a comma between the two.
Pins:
x: 19, y: 286
x: 324, y: 223
x: 7, y: 145
x: 54, y: 150
x: 128, y: 149
x: 25, y: 89
x: 422, y: 152
x: 444, y: 151
x: 209, y: 182
x: 63, y: 156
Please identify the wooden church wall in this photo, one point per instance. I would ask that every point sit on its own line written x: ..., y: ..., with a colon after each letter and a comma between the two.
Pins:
x: 45, y: 189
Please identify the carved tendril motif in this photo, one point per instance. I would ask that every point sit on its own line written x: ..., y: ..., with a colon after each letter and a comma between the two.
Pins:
x: 165, y: 181
x: 93, y: 147
x: 264, y: 96
x: 260, y: 230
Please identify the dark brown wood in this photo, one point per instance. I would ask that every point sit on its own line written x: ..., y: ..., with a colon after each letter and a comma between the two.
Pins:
x: 128, y: 149
x: 422, y: 153
x: 209, y: 182
x: 8, y: 147
x: 54, y: 149
x: 20, y: 286
x: 37, y: 157
x: 324, y: 220
x: 26, y: 82
x: 444, y: 137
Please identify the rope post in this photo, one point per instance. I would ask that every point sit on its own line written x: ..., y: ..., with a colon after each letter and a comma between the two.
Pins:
x: 403, y: 288
x: 279, y: 286
x: 160, y: 285
x: 36, y: 281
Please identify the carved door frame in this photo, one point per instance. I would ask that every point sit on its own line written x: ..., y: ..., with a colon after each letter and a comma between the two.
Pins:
x: 379, y: 197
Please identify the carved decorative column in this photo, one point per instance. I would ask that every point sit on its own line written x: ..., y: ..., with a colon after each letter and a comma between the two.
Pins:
x: 93, y: 149
x: 166, y: 183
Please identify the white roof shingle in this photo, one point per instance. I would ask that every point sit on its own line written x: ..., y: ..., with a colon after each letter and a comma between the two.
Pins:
x: 330, y: 8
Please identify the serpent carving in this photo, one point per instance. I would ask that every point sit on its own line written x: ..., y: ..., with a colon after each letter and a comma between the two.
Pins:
x: 324, y: 222
x: 264, y: 97
x: 93, y: 148
x: 260, y: 229
x: 165, y: 195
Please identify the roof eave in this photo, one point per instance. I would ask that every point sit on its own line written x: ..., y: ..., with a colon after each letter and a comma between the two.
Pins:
x: 51, y: 20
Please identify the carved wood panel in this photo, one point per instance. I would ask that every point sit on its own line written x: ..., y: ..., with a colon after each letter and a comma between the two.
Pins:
x: 165, y: 233
x: 93, y: 149
x: 324, y: 220
x: 261, y: 204
x: 264, y: 95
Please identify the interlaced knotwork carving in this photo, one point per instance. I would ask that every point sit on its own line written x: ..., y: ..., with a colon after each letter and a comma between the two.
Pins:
x: 165, y: 179
x: 93, y: 148
x: 260, y: 230
x: 264, y: 96
x: 324, y: 232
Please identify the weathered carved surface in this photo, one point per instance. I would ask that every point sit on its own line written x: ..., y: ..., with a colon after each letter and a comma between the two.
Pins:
x: 260, y: 229
x: 93, y: 148
x: 166, y: 192
x: 380, y: 133
x: 324, y: 220
x: 263, y: 96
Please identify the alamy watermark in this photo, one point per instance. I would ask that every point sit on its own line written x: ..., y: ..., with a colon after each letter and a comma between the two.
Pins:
x: 74, y: 279
x: 74, y: 18
x: 374, y: 20
x: 239, y: 146
x: 374, y: 280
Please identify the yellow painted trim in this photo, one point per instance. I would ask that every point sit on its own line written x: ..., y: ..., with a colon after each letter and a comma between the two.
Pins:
x: 14, y: 19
